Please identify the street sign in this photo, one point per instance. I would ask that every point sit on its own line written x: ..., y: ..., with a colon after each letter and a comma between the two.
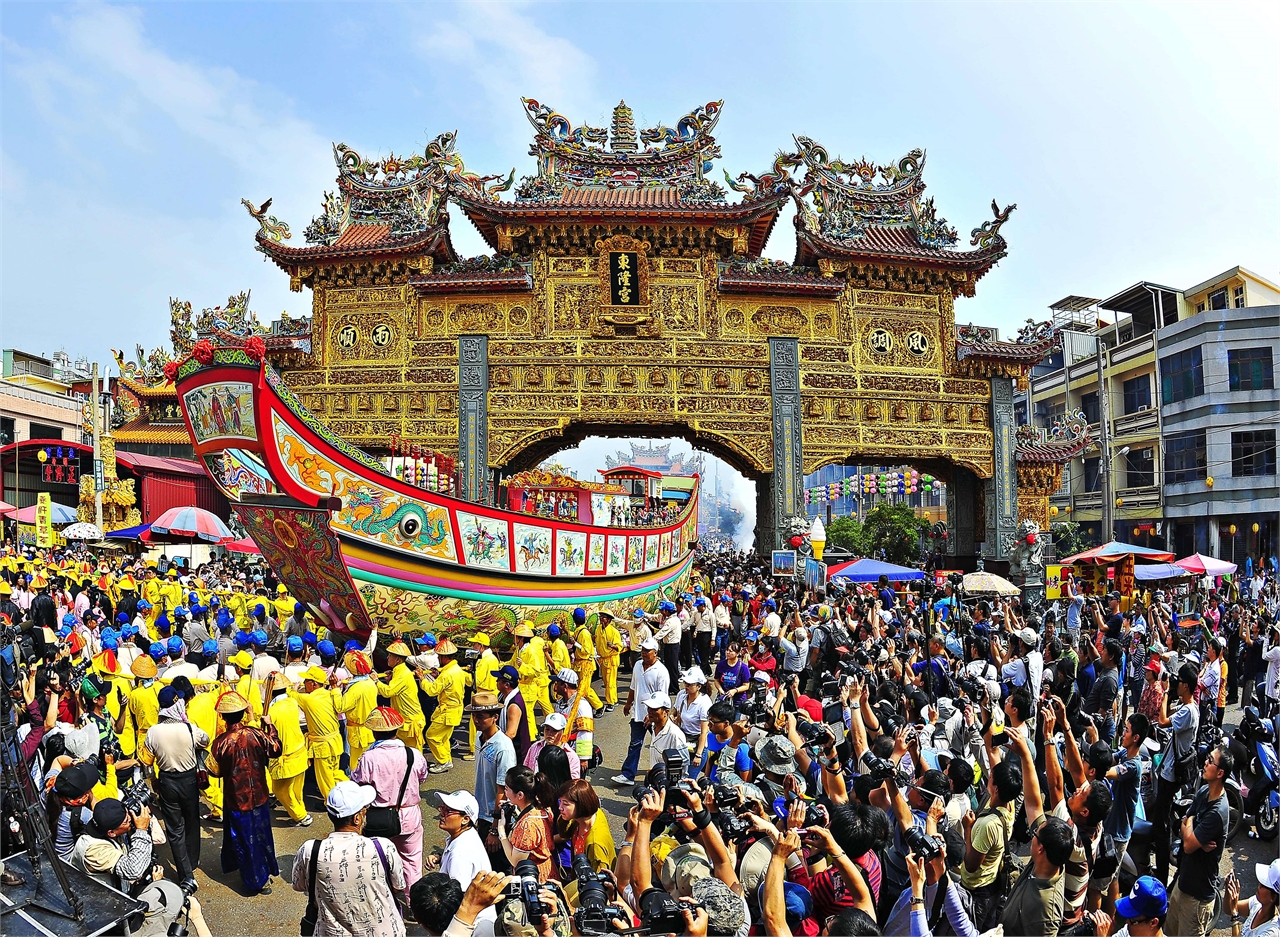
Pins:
x: 99, y: 478
x: 44, y: 520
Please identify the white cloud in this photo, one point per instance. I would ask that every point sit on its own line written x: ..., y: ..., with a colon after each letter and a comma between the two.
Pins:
x: 138, y: 161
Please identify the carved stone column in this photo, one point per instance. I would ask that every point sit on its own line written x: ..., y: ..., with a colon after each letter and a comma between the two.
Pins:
x: 787, y: 481
x: 473, y: 416
x: 962, y: 501
x: 1002, y: 487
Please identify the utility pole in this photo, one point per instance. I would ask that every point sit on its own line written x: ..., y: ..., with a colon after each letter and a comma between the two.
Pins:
x: 95, y: 413
x: 1104, y: 430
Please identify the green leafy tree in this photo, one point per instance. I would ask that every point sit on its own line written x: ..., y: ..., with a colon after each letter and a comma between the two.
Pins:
x: 1069, y: 539
x: 847, y: 535
x: 895, y: 529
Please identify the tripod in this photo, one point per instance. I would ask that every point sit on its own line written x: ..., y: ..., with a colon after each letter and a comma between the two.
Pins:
x: 19, y: 792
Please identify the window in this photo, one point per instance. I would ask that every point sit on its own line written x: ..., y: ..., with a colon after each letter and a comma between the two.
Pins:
x: 43, y: 431
x: 1199, y: 307
x: 1046, y: 413
x: 1020, y: 413
x: 1250, y: 369
x: 1137, y: 394
x: 1218, y: 299
x: 1237, y: 297
x: 1184, y: 457
x: 1093, y: 474
x: 7, y: 430
x: 1253, y: 453
x: 1140, y: 468
x: 1089, y: 404
x: 1182, y: 376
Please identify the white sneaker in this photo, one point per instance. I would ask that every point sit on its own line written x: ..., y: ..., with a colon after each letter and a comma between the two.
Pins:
x: 305, y: 821
x: 623, y: 779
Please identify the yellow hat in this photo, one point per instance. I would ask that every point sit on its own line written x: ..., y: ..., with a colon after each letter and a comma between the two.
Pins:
x: 400, y: 649
x: 281, y: 589
x: 5, y: 588
x: 446, y: 647
x: 242, y: 659
x: 126, y: 583
x: 358, y: 663
x: 143, y: 667
x: 107, y: 664
x: 480, y: 638
x: 231, y: 702
x: 172, y: 573
x: 316, y: 674
x: 384, y: 719
x: 523, y: 630
x: 275, y: 680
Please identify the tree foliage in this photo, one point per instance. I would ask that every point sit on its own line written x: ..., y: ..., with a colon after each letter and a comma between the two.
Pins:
x: 846, y: 535
x: 1069, y: 539
x: 893, y: 531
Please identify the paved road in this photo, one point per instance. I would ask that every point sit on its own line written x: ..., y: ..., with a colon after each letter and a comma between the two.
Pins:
x: 230, y: 913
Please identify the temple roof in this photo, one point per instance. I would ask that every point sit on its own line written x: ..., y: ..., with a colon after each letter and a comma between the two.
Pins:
x: 766, y: 276
x: 1068, y: 437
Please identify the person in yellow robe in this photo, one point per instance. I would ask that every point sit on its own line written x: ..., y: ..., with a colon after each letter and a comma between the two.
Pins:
x: 324, y: 738
x: 401, y: 689
x: 144, y: 700
x: 284, y: 604
x: 529, y: 658
x: 247, y: 687
x: 288, y: 771
x: 202, y: 714
x: 557, y: 651
x: 484, y: 680
x: 356, y: 700
x: 171, y: 591
x: 584, y: 657
x: 448, y: 686
x: 609, y: 645
x: 151, y: 592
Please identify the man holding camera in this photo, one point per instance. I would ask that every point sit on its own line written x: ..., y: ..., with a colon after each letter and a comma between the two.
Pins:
x: 650, y: 678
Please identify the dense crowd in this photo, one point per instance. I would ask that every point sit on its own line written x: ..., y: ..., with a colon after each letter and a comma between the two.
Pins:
x: 857, y: 761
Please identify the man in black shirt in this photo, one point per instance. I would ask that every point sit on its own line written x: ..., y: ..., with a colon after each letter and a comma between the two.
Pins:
x: 1106, y: 687
x: 1204, y: 837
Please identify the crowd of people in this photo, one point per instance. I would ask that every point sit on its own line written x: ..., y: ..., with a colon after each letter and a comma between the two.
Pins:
x: 856, y: 761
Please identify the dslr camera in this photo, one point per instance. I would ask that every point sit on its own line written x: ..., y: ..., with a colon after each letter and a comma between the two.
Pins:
x: 594, y: 915
x: 922, y: 844
x: 660, y: 913
x: 524, y: 888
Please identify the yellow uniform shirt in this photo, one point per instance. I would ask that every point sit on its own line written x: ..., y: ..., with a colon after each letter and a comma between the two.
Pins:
x: 608, y: 641
x: 144, y: 708
x: 448, y: 687
x: 322, y: 720
x: 559, y: 657
x: 287, y: 719
x: 402, y: 690
x: 532, y: 663
x: 355, y: 701
x: 486, y: 666
x: 284, y: 607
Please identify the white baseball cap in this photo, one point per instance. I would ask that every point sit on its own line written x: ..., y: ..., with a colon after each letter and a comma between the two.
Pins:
x: 348, y: 798
x: 658, y: 701
x: 694, y: 675
x: 1268, y: 875
x: 555, y: 721
x: 566, y: 676
x: 648, y: 644
x: 461, y: 801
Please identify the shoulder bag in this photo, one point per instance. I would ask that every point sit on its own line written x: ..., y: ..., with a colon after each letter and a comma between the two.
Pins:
x: 312, y: 915
x: 385, y: 821
x: 386, y: 870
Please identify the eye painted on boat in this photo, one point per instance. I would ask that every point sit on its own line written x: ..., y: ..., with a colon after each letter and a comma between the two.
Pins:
x: 410, y: 526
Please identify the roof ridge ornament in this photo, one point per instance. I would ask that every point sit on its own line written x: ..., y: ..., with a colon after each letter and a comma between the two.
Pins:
x: 269, y: 226
x: 987, y: 234
x: 622, y: 132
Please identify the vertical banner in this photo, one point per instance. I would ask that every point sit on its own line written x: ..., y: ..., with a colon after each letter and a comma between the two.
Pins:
x: 1002, y: 489
x: 44, y: 520
x: 1125, y: 581
x: 473, y: 417
x: 788, y: 459
x: 1053, y: 579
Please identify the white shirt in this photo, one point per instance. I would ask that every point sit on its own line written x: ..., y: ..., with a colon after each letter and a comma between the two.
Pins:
x: 722, y: 616
x: 669, y: 737
x: 670, y: 631
x: 464, y: 857
x: 691, y: 715
x: 647, y: 683
x: 1272, y: 656
x: 772, y: 625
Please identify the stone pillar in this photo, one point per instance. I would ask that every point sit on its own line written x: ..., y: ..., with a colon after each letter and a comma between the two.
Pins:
x: 1002, y: 488
x: 473, y: 417
x: 962, y: 501
x: 787, y: 481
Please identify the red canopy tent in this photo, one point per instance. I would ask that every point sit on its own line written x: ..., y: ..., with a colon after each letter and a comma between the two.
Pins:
x: 1114, y: 551
x: 243, y: 545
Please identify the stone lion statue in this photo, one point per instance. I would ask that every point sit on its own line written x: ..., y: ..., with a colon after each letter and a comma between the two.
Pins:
x: 1026, y: 560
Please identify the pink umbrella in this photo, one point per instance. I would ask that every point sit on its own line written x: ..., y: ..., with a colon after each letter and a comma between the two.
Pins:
x: 243, y: 545
x: 1206, y: 565
x: 191, y: 522
x: 6, y: 508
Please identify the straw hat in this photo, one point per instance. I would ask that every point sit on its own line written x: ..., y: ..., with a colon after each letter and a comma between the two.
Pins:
x: 231, y: 702
x: 523, y: 630
x: 446, y: 648
x: 400, y: 649
x: 384, y: 719
x: 358, y: 663
x: 143, y: 667
x: 276, y: 680
x: 485, y: 703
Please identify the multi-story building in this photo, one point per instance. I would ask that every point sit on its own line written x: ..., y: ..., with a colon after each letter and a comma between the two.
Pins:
x: 1178, y: 388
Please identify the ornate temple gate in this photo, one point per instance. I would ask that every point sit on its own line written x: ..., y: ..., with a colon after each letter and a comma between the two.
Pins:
x: 627, y: 295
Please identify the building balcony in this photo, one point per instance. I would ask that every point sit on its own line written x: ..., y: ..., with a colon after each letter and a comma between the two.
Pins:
x: 1145, y: 422
x: 1089, y: 500
x: 1145, y: 498
x: 1132, y: 348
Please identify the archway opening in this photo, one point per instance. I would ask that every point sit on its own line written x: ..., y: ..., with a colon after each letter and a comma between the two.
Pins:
x: 727, y: 502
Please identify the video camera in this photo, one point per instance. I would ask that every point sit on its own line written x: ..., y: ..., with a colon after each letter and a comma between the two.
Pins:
x: 136, y: 797
x: 756, y: 708
x: 594, y: 915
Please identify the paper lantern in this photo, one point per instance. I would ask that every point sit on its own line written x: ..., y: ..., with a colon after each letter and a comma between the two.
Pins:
x: 1232, y: 529
x: 1067, y: 509
x: 1119, y: 502
x: 1053, y: 512
x: 43, y: 455
x: 1254, y: 528
x: 1209, y: 482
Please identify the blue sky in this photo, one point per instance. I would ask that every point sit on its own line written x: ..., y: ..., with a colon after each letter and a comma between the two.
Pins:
x: 1139, y: 141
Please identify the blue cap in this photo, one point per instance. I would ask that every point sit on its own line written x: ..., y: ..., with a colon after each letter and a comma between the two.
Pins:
x: 109, y: 633
x: 214, y: 600
x: 182, y: 610
x: 299, y: 607
x: 175, y: 646
x: 128, y: 631
x: 352, y: 646
x: 209, y: 647
x: 429, y: 639
x: 752, y: 635
x: 798, y: 899
x: 553, y: 631
x: 70, y: 620
x: 110, y: 642
x: 259, y: 637
x: 294, y: 645
x: 243, y: 639
x: 259, y: 609
x: 156, y: 651
x: 697, y: 588
x: 699, y: 602
x: 198, y: 610
x: 193, y: 598
x: 225, y: 618
x: 327, y: 649
x: 309, y: 637
x: 580, y: 615
x: 665, y: 606
x: 167, y: 697
x: 770, y: 603
x: 63, y: 632
x: 1148, y: 899
x: 638, y: 614
x: 122, y: 618
x: 144, y: 604
x: 162, y: 622
x: 508, y: 673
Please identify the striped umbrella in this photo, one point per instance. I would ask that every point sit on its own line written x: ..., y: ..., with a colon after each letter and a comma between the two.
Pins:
x: 192, y: 522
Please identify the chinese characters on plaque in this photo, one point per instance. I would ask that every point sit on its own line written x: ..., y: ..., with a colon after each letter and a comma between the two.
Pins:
x: 624, y: 278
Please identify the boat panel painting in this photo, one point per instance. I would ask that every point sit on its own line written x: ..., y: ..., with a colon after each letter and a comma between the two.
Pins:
x: 383, y: 552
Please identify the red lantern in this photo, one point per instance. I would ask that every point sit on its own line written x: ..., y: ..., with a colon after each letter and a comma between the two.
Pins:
x: 1031, y: 539
x: 796, y: 540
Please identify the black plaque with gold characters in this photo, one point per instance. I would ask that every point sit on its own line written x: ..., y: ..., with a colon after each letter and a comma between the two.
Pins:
x: 624, y: 278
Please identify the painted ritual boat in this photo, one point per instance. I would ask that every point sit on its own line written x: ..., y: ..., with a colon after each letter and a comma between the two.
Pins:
x: 364, y: 547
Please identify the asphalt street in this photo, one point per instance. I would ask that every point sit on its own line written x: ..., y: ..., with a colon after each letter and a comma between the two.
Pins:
x: 229, y: 912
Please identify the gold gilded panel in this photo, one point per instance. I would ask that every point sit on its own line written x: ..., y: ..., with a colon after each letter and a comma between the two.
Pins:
x: 369, y: 335
x: 570, y: 305
x: 477, y: 317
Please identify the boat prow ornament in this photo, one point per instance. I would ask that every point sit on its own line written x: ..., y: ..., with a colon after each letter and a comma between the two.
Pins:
x: 386, y: 541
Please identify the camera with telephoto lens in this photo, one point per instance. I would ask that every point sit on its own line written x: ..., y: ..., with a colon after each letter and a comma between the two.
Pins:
x: 879, y: 769
x: 814, y: 732
x: 922, y: 844
x: 660, y: 913
x: 956, y: 580
x: 678, y: 787
x: 524, y: 888
x: 136, y: 797
x: 594, y: 915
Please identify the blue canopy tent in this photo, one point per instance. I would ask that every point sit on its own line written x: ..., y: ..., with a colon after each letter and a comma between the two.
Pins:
x: 1150, y: 571
x: 868, y: 570
x: 128, y: 533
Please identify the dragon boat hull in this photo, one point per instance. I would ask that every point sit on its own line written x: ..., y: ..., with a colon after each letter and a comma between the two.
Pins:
x: 364, y: 548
